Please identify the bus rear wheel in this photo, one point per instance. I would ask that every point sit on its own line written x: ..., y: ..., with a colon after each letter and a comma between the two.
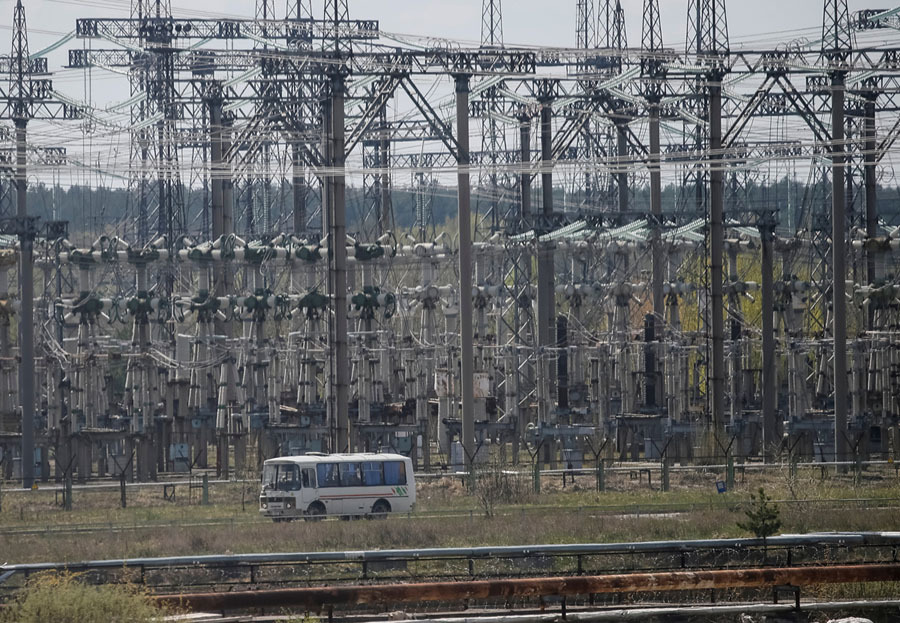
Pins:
x: 380, y: 510
x: 316, y: 512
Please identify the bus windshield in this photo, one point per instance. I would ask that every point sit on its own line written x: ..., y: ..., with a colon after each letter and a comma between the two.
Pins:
x: 281, y: 477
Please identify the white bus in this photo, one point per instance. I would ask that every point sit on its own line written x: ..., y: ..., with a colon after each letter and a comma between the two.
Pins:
x: 347, y: 485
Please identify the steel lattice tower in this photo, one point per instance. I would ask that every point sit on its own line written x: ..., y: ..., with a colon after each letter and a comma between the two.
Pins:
x: 837, y: 44
x: 652, y: 67
x: 837, y: 40
x: 707, y: 40
x: 585, y: 25
x: 612, y: 36
x: 154, y: 149
x: 336, y: 12
x: 265, y: 9
x: 19, y: 67
x: 611, y: 25
x: 493, y: 184
x: 299, y: 9
x: 492, y: 24
x: 707, y: 30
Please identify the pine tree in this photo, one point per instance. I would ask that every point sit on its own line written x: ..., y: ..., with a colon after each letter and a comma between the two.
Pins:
x: 762, y: 517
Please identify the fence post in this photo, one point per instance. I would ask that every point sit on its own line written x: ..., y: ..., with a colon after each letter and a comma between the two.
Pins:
x: 122, y: 490
x: 795, y: 465
x: 729, y: 472
x: 204, y: 500
x: 601, y: 476
x: 665, y: 474
x: 536, y: 476
x: 67, y: 492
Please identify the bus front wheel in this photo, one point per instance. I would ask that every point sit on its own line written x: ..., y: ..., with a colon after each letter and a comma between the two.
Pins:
x: 316, y: 512
x: 380, y: 510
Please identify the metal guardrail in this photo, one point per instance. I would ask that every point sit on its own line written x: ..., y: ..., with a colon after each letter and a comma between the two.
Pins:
x: 823, y: 540
x: 318, y: 599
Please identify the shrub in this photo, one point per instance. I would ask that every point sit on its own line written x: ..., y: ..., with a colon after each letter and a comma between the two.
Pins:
x: 64, y: 598
x: 493, y: 487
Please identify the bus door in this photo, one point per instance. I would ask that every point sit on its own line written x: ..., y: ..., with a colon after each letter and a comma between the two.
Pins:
x: 308, y: 492
x: 328, y: 478
x: 356, y: 501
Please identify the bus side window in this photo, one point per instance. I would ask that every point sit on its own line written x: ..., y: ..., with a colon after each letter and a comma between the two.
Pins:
x: 305, y: 478
x: 395, y: 473
x: 372, y: 475
x: 350, y: 476
x: 328, y: 475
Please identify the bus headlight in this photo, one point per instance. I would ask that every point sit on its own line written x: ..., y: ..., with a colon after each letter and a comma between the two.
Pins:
x: 290, y: 503
x: 264, y: 506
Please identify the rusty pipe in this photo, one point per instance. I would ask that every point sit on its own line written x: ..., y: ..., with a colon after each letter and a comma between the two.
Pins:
x: 315, y: 598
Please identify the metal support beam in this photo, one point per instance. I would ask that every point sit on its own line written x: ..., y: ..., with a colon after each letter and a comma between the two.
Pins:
x: 871, y: 160
x: 466, y: 307
x: 298, y: 182
x: 26, y: 313
x: 622, y: 174
x: 717, y: 250
x: 771, y: 434
x: 219, y: 173
x: 385, y: 217
x: 227, y: 181
x: 659, y: 303
x: 338, y: 245
x: 839, y: 267
x: 525, y: 177
x: 546, y: 283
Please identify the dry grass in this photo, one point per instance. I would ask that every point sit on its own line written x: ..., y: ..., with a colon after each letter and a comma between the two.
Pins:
x: 509, y: 527
x: 63, y: 598
x: 630, y: 510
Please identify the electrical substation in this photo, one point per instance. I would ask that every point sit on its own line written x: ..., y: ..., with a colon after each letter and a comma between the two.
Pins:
x: 654, y: 253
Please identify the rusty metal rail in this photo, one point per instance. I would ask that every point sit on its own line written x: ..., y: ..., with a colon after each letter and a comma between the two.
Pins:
x: 318, y: 599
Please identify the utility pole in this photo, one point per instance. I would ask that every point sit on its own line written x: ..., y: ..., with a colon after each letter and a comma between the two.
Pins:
x: 546, y: 266
x: 769, y: 365
x: 466, y: 307
x: 338, y: 245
